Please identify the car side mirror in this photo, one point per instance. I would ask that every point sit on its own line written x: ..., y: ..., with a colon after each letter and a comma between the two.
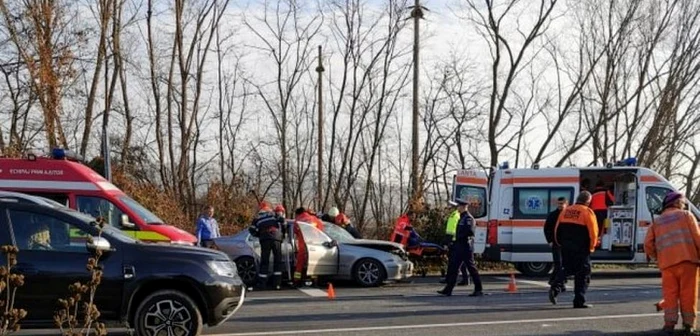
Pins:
x: 98, y: 244
x: 125, y: 222
x: 330, y: 244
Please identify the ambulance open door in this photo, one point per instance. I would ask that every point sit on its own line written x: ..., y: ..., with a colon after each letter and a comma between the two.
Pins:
x: 471, y: 186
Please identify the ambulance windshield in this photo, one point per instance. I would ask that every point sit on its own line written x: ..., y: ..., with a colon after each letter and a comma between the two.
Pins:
x: 142, y: 212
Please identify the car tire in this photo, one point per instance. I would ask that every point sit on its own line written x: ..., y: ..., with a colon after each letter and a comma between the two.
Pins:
x: 368, y: 272
x: 247, y: 270
x: 168, y: 310
x: 534, y: 269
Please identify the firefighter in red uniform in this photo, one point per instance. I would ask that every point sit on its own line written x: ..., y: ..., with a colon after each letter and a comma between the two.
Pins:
x: 602, y: 198
x: 302, y: 256
x: 306, y: 216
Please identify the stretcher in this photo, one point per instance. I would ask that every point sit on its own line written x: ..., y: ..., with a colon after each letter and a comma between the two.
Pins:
x: 421, y: 252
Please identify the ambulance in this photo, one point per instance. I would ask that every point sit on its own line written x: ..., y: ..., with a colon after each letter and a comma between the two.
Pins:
x: 511, y: 205
x: 64, y: 179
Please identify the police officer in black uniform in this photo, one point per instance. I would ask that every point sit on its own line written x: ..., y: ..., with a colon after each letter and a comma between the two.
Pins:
x: 270, y: 229
x: 462, y: 250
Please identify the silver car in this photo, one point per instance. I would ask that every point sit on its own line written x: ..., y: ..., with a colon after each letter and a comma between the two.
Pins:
x: 367, y: 262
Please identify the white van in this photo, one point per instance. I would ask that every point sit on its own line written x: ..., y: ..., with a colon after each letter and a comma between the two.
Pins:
x: 511, y: 205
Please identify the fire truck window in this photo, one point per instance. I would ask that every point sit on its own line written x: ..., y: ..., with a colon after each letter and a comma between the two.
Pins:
x: 41, y: 232
x: 97, y: 206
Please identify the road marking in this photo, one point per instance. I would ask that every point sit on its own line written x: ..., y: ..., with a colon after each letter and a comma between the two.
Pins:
x: 442, y: 325
x: 315, y: 292
x: 530, y: 282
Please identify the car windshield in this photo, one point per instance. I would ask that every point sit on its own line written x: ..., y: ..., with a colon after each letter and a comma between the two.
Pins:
x: 337, y: 233
x: 140, y: 211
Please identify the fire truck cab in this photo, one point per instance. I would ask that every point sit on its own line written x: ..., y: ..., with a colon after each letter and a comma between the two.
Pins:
x: 67, y: 181
x: 511, y: 205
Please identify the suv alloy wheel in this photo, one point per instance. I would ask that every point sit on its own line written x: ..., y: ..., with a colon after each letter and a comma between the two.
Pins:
x: 166, y: 313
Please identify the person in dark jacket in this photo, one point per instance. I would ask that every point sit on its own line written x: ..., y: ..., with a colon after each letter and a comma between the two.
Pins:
x: 549, y: 226
x: 462, y: 251
x: 270, y: 230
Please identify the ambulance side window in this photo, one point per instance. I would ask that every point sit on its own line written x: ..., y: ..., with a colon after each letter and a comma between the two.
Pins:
x: 537, y: 203
x: 97, y: 206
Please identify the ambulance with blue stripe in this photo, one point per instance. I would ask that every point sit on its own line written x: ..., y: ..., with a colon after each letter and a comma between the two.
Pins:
x: 66, y: 180
x: 511, y: 205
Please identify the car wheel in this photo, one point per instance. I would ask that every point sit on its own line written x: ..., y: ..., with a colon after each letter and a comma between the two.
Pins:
x: 247, y: 270
x: 168, y: 312
x: 534, y: 269
x: 369, y: 273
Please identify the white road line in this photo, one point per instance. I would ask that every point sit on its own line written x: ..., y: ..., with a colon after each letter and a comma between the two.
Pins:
x: 315, y: 292
x: 530, y: 282
x: 442, y: 325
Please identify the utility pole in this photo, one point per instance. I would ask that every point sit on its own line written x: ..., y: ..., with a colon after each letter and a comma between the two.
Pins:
x: 319, y: 182
x: 416, y: 14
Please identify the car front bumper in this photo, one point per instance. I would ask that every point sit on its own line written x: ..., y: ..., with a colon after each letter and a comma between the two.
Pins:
x: 400, y: 271
x: 231, y: 299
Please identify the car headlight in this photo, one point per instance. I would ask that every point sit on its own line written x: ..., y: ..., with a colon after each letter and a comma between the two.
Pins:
x: 223, y: 268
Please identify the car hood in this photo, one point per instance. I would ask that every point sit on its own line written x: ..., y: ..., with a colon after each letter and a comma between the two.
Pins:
x: 382, y: 245
x: 189, y: 252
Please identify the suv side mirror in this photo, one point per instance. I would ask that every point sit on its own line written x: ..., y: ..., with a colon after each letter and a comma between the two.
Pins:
x: 98, y: 244
x: 125, y: 222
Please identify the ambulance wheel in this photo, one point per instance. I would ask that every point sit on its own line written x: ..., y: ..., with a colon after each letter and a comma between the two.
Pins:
x: 168, y: 311
x: 534, y: 269
x: 247, y: 270
x: 368, y: 273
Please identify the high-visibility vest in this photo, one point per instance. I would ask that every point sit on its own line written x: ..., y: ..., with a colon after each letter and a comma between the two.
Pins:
x: 673, y: 238
x: 601, y: 199
x: 451, y: 227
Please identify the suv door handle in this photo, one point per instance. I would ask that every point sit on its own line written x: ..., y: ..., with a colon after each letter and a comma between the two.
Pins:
x: 26, y: 269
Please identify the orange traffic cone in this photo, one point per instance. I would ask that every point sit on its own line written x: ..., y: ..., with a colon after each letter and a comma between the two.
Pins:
x: 512, y: 287
x: 331, y: 291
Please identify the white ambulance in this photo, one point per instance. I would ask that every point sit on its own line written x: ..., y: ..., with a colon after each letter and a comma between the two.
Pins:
x: 511, y: 205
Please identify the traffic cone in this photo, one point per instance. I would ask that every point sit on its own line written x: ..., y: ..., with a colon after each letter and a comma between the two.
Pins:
x: 512, y: 287
x: 331, y: 291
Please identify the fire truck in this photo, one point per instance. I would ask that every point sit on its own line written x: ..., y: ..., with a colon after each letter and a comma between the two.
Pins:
x: 511, y: 205
x: 63, y: 178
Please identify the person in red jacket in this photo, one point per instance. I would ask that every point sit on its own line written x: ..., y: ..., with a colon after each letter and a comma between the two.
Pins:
x: 306, y: 216
x: 602, y: 198
x: 302, y: 255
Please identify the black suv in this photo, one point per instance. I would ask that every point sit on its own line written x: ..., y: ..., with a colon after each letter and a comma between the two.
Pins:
x: 145, y: 286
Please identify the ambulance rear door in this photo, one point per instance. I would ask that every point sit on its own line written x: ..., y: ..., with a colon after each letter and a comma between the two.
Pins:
x: 470, y: 185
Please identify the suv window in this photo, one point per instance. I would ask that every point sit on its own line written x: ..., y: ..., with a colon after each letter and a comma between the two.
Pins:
x: 36, y: 231
x: 97, y: 206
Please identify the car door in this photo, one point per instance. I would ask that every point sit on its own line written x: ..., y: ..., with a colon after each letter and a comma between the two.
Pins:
x: 50, y: 268
x: 323, y: 252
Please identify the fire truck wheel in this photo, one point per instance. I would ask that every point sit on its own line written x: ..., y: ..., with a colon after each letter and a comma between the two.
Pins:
x: 168, y: 312
x: 247, y: 270
x: 534, y: 269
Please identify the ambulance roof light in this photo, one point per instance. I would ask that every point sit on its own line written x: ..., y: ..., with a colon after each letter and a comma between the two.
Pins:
x: 632, y: 161
x: 504, y: 165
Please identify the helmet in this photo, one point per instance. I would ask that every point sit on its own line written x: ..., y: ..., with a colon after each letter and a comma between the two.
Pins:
x: 264, y: 207
x: 342, y: 219
x: 333, y: 212
x: 671, y: 197
x: 279, y: 208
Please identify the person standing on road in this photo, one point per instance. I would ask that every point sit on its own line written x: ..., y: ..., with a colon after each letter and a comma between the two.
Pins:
x: 462, y: 251
x: 270, y: 231
x: 674, y: 241
x: 207, y: 228
x: 301, y: 256
x: 450, y: 231
x: 549, y: 226
x: 576, y: 233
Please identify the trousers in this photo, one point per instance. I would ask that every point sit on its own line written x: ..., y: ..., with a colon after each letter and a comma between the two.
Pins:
x: 461, y: 253
x: 556, y: 264
x: 267, y: 247
x: 575, y: 262
x: 679, y: 283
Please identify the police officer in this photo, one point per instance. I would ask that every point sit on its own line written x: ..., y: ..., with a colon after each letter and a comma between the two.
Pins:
x: 270, y: 229
x: 462, y: 251
x: 450, y: 229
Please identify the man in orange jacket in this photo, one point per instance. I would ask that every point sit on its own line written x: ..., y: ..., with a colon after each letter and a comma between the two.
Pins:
x: 674, y: 241
x: 576, y: 233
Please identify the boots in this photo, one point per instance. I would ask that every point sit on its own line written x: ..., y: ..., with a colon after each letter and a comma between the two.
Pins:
x: 689, y: 330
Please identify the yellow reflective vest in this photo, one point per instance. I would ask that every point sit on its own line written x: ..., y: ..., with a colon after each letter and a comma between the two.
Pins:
x: 452, y: 221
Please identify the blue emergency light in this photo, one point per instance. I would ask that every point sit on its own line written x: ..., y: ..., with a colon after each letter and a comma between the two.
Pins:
x: 61, y: 154
x: 58, y: 153
x: 627, y: 162
x: 504, y: 165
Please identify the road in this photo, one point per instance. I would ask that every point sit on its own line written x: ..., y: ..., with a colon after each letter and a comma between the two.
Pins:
x: 623, y: 305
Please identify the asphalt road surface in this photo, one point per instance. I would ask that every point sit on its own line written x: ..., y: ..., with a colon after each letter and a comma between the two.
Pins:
x: 623, y: 305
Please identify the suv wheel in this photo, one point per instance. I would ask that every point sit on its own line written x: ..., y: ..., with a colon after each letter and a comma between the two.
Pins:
x: 247, y: 270
x: 168, y: 313
x: 369, y: 273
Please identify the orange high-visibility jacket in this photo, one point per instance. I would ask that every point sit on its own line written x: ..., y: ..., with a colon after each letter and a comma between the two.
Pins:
x: 601, y: 199
x: 306, y: 217
x: 673, y: 238
x: 576, y: 228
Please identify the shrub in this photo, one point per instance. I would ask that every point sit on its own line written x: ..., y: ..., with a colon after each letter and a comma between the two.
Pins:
x: 8, y: 284
x: 234, y: 209
x: 80, y: 304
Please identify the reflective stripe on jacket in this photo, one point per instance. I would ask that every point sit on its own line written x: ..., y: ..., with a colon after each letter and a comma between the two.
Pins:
x: 673, y: 238
x: 577, y: 228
